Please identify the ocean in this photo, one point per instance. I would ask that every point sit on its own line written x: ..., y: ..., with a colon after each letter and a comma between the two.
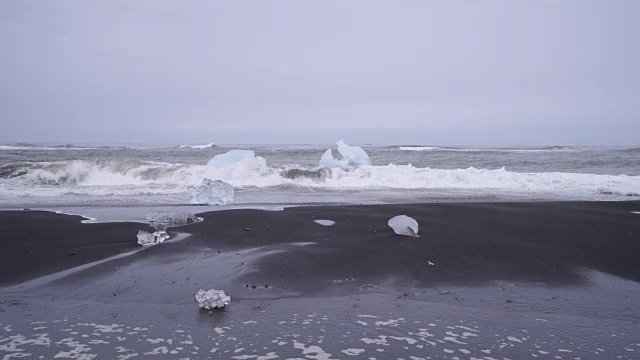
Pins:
x: 56, y: 176
x: 565, y: 273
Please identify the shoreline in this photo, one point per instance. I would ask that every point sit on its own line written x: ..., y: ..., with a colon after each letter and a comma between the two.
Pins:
x: 484, y: 279
x: 552, y: 237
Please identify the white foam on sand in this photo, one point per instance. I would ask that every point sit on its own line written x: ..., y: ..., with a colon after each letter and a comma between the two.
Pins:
x: 353, y: 352
x: 238, y: 338
x: 87, y: 220
x: 312, y: 351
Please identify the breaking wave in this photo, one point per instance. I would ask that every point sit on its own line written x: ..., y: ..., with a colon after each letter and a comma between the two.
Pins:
x: 419, y: 148
x: 33, y: 147
x: 199, y: 147
x: 633, y: 150
x: 105, y: 177
x: 57, y: 147
x: 517, y: 150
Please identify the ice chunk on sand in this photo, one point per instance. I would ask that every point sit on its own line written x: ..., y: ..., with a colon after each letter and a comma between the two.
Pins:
x: 404, y: 225
x: 212, y: 299
x: 169, y: 218
x: 146, y: 238
x: 352, y: 156
x: 212, y: 192
x: 325, y: 222
x: 231, y: 157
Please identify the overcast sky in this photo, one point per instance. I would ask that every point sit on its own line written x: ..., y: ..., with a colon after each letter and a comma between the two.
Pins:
x: 421, y: 72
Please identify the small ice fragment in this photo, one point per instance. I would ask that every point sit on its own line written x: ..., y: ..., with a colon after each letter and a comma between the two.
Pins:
x: 171, y: 218
x: 325, y: 222
x: 404, y: 225
x: 636, y: 212
x: 231, y: 157
x: 212, y: 192
x: 146, y: 238
x: 212, y: 299
x: 430, y: 263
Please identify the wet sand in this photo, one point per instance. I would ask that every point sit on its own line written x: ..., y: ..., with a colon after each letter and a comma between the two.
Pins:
x: 500, y: 277
x: 38, y: 243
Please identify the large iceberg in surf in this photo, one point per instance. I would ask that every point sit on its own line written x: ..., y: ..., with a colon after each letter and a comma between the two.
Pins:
x: 352, y: 156
x: 146, y: 238
x: 328, y: 161
x: 355, y: 154
x: 212, y: 299
x: 404, y: 225
x: 212, y: 192
x: 231, y: 157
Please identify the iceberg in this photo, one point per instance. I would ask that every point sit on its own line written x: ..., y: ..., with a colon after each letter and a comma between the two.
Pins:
x: 404, y: 225
x: 212, y: 299
x: 328, y: 161
x: 146, y: 238
x: 355, y: 154
x: 352, y: 156
x: 171, y: 218
x: 231, y: 157
x: 212, y: 192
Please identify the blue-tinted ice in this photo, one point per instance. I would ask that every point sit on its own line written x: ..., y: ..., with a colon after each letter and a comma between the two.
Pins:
x: 231, y: 157
x: 352, y: 156
x: 212, y: 192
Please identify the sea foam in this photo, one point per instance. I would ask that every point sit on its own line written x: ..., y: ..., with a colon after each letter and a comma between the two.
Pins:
x: 507, y: 150
x: 123, y: 177
x: 198, y: 147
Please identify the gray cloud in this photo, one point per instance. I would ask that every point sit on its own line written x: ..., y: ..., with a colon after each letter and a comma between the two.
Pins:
x: 454, y: 72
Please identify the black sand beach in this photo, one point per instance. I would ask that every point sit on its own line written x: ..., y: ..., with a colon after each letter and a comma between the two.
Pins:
x: 472, y: 243
x: 503, y: 271
x: 37, y: 243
